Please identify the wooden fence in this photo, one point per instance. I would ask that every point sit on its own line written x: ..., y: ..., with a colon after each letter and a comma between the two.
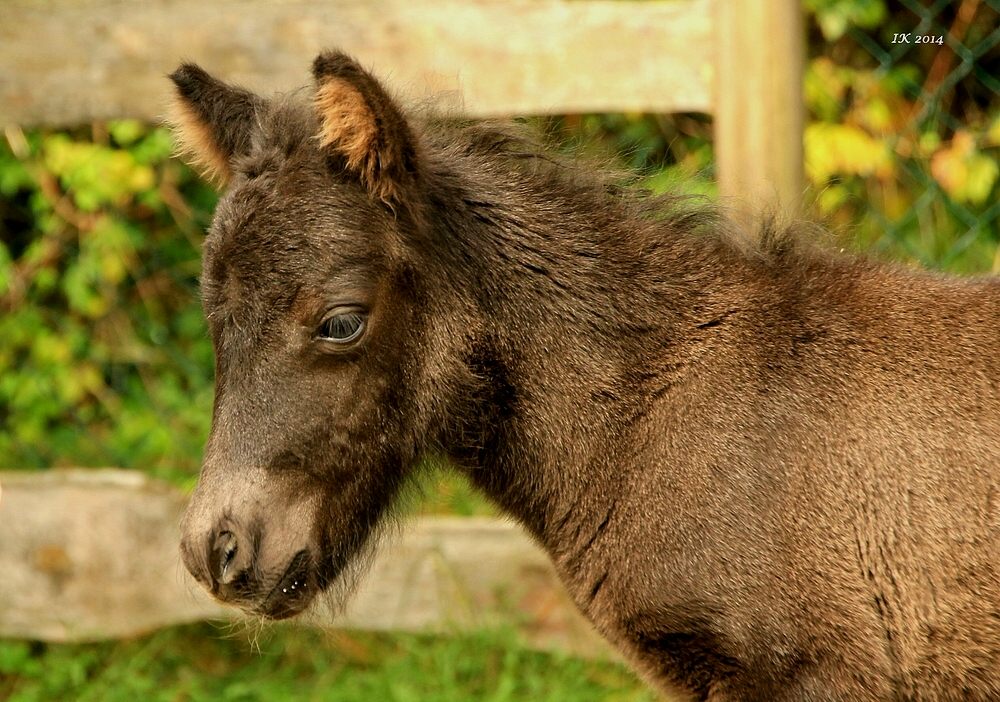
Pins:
x: 91, y: 554
x: 68, y: 62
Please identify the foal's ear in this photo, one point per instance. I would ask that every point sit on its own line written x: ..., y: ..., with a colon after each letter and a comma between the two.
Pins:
x: 361, y: 124
x: 212, y: 121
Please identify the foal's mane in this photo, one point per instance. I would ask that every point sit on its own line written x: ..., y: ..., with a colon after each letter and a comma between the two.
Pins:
x: 595, y: 186
x: 603, y: 187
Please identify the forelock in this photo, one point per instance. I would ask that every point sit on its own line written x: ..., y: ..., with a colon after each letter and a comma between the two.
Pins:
x: 286, y: 127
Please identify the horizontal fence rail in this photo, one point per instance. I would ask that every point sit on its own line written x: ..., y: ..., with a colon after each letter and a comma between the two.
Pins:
x: 67, y: 62
x: 74, y: 61
x: 93, y: 554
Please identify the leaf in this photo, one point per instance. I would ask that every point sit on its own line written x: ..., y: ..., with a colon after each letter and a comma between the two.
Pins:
x: 843, y: 149
x: 902, y: 79
x: 983, y: 172
x: 964, y: 172
x: 831, y: 198
x: 80, y: 291
x: 877, y: 105
x: 155, y: 148
x: 95, y: 175
x: 13, y: 175
x: 824, y: 87
x: 126, y: 131
x: 6, y: 270
x: 992, y: 136
x: 835, y: 16
x: 929, y: 143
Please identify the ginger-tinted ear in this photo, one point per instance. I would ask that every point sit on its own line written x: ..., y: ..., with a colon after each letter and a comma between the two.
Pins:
x: 212, y: 121
x: 361, y: 124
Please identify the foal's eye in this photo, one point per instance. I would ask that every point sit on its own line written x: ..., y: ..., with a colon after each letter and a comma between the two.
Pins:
x: 342, y: 327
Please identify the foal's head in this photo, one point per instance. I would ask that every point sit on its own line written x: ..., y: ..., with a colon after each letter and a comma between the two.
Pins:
x: 315, y: 315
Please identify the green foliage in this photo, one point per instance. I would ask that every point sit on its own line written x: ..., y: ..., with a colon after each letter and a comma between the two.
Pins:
x: 104, y: 358
x: 438, y: 489
x: 671, y: 152
x: 835, y: 16
x: 903, y: 146
x: 195, y: 664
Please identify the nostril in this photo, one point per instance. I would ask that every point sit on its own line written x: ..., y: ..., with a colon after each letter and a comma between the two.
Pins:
x: 228, y: 547
x: 228, y: 557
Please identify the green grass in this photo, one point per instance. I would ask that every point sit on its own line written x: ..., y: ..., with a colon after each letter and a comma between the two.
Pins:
x: 289, y: 664
x: 438, y: 489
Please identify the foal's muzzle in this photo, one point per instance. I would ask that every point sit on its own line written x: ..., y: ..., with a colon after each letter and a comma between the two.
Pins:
x: 229, y: 564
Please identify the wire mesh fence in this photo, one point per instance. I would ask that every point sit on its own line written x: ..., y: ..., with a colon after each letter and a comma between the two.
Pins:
x: 905, y: 148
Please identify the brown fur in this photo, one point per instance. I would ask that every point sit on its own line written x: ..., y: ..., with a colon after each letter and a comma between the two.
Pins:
x: 360, y: 122
x: 764, y: 472
x: 212, y: 121
x: 348, y: 125
x: 194, y: 141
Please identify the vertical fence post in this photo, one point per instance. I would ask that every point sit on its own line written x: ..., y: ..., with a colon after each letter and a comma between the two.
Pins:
x: 760, y: 50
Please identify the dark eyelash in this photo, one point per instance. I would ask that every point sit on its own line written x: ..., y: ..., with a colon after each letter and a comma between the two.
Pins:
x: 342, y: 328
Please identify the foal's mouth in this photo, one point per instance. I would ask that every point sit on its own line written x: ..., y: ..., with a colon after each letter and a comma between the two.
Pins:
x: 293, y: 591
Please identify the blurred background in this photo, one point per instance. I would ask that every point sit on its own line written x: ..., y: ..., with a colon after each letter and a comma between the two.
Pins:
x: 105, y: 360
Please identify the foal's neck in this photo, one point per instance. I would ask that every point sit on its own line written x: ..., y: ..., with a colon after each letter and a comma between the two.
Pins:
x: 579, y: 305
